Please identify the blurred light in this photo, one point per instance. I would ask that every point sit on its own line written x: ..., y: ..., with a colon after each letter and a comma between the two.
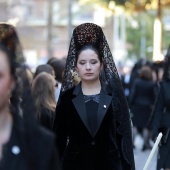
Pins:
x: 154, y: 4
x: 13, y: 21
x: 148, y: 6
x: 112, y: 5
x: 108, y: 13
x: 99, y: 16
x: 118, y: 10
x: 157, y: 55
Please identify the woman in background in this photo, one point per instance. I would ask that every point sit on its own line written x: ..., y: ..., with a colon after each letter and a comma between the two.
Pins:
x: 58, y: 66
x: 23, y: 144
x: 141, y: 102
x: 43, y: 87
x: 161, y: 119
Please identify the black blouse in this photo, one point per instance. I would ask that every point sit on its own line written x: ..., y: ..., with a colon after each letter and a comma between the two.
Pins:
x: 92, y: 103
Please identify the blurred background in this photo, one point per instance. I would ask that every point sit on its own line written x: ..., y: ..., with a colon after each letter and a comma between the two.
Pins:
x: 134, y: 28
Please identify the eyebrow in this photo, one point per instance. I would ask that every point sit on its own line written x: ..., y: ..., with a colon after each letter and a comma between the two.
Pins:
x: 86, y: 60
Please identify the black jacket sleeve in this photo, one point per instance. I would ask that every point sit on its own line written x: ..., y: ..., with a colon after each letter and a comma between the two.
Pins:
x: 60, y: 126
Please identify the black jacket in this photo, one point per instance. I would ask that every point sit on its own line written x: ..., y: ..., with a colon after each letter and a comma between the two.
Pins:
x: 46, y: 118
x: 162, y: 119
x: 78, y: 147
x: 29, y: 149
x: 142, y: 93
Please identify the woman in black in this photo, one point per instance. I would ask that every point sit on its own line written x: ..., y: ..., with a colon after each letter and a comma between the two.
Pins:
x: 141, y: 101
x: 43, y: 88
x: 162, y: 117
x: 23, y: 144
x: 92, y: 121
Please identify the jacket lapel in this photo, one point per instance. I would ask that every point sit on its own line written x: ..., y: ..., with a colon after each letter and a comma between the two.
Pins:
x: 79, y: 104
x: 104, y: 104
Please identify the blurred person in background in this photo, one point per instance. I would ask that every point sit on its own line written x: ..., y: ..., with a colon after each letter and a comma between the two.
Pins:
x: 51, y: 60
x: 58, y: 66
x: 43, y: 89
x: 24, y: 75
x: 23, y: 144
x: 44, y: 68
x: 92, y: 121
x: 141, y: 102
x: 125, y: 78
x: 161, y: 119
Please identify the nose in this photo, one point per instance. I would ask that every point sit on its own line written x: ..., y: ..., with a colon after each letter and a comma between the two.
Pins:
x: 88, y: 67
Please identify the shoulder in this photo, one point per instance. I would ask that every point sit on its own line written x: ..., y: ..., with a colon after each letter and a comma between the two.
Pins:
x: 46, y: 111
x: 67, y: 93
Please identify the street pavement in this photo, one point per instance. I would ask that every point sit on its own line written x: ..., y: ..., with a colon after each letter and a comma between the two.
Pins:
x: 141, y: 158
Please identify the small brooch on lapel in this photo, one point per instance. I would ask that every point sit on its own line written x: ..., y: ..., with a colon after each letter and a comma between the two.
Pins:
x: 104, y: 106
x: 15, y: 150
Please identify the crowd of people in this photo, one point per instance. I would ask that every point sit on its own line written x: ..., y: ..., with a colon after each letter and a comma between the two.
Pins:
x: 79, y: 113
x: 148, y: 99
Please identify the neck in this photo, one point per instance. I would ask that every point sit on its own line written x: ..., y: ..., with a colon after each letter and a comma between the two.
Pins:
x: 90, y: 88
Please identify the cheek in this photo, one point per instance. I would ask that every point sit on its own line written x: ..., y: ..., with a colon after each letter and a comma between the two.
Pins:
x: 5, y: 85
x: 98, y: 68
x: 79, y: 69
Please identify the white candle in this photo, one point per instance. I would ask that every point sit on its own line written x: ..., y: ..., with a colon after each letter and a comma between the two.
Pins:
x: 152, y: 151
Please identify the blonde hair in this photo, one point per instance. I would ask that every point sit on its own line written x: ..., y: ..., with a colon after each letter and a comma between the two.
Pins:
x: 42, y: 90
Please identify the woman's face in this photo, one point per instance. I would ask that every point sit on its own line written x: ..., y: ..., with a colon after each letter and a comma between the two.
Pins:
x: 88, y: 65
x: 6, y: 81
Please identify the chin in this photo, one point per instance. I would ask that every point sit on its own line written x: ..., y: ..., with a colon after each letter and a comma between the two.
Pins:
x: 90, y: 79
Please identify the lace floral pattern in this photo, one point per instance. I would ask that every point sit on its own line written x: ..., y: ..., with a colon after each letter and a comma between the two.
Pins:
x: 10, y: 40
x: 89, y: 33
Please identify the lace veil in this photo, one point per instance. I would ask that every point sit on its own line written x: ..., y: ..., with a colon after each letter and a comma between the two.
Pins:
x: 89, y: 33
x: 9, y: 38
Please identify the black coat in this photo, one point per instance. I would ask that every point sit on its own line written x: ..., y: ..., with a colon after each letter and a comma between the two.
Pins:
x: 78, y: 147
x: 141, y: 100
x: 162, y: 119
x: 23, y: 152
x: 46, y: 118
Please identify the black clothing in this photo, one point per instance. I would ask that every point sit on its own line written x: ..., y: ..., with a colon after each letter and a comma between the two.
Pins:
x: 46, y: 118
x: 162, y: 119
x: 142, y: 98
x: 87, y: 150
x: 91, y: 110
x: 89, y: 34
x: 25, y: 153
x: 9, y: 154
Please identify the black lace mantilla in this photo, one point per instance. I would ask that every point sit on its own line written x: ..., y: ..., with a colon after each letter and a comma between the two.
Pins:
x: 9, y: 39
x: 92, y: 34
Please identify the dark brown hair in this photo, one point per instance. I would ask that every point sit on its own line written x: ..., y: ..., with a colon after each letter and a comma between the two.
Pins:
x: 89, y: 47
x: 146, y: 73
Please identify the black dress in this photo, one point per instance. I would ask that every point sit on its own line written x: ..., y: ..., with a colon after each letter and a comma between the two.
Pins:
x: 142, y: 98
